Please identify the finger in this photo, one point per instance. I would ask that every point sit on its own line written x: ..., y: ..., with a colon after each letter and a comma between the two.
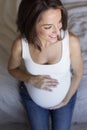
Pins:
x: 49, y: 77
x: 51, y: 84
x: 47, y: 83
x: 47, y: 89
x: 57, y: 106
x: 53, y: 108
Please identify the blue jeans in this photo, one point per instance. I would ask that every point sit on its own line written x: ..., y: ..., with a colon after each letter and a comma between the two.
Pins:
x: 39, y: 117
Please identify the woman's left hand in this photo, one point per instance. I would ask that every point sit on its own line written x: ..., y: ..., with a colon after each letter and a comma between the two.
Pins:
x: 63, y: 103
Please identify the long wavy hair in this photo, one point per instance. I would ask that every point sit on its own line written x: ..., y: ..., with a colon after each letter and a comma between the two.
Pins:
x: 28, y: 13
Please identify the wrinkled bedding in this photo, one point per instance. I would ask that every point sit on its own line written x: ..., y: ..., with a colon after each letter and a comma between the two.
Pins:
x: 11, y: 109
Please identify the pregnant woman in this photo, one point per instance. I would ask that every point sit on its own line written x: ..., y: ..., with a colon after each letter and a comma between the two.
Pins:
x: 53, y: 63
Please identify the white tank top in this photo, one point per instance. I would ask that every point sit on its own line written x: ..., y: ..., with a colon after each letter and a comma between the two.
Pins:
x: 59, y: 71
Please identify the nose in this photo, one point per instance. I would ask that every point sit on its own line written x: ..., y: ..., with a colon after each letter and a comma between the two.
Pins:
x: 56, y: 30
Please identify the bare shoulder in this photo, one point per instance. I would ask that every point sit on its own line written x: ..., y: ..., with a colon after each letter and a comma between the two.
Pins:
x: 17, y: 43
x: 73, y: 38
x: 16, y: 49
x: 15, y: 56
x: 16, y: 46
x: 74, y: 42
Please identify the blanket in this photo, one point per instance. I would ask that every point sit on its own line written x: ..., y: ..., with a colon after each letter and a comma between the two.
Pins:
x: 11, y: 108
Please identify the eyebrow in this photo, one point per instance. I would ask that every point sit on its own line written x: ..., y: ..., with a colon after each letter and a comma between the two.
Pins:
x: 49, y: 24
x: 46, y: 24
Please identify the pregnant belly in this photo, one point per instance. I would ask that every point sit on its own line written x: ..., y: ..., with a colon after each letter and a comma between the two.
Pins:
x: 48, y: 99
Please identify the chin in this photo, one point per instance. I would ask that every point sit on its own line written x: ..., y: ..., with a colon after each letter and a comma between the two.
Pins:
x: 53, y: 41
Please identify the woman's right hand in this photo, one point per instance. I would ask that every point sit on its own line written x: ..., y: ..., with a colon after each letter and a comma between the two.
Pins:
x: 43, y: 82
x: 39, y: 81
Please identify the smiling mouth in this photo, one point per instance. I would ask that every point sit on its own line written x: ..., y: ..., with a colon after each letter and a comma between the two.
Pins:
x: 53, y: 36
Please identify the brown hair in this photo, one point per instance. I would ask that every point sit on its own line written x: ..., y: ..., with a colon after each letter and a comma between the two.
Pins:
x: 28, y: 13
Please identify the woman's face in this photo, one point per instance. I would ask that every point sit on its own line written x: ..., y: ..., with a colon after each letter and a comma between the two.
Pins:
x: 48, y: 26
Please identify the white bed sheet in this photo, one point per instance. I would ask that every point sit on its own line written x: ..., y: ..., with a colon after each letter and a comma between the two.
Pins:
x: 11, y: 109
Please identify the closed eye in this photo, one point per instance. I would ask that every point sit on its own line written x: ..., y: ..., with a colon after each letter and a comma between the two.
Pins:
x: 47, y: 27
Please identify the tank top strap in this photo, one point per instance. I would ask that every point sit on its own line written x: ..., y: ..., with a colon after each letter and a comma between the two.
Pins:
x: 25, y: 49
x: 66, y: 44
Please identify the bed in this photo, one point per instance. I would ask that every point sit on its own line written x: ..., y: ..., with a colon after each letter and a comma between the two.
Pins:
x: 11, y: 108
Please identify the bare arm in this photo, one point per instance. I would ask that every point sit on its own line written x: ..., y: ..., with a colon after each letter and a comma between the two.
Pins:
x: 40, y: 81
x: 77, y: 66
x: 14, y: 62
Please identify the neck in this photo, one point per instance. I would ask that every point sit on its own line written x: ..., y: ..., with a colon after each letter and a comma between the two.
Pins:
x: 46, y: 44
